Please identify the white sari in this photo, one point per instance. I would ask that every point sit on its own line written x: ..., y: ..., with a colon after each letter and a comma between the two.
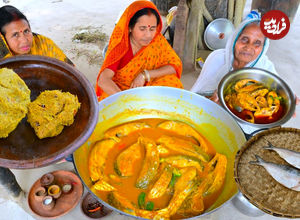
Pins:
x: 219, y: 63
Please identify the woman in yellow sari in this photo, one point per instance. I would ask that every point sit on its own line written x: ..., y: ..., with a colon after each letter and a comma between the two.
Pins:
x: 138, y: 54
x: 16, y: 37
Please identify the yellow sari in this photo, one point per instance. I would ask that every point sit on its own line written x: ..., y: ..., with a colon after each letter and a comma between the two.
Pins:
x: 41, y: 45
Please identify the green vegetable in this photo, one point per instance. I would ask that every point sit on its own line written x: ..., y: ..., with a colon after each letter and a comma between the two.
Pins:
x: 150, y: 206
x: 175, y: 175
x: 141, y: 200
x: 279, y: 98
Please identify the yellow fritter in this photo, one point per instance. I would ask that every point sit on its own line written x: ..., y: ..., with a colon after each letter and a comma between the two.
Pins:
x: 51, y: 111
x: 14, y: 98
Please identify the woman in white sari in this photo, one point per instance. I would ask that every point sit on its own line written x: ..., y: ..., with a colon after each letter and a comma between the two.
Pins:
x: 247, y: 47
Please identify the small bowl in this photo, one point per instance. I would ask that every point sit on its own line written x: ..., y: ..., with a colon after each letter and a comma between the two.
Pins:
x: 92, y: 208
x: 54, y: 191
x: 272, y: 81
x: 40, y: 193
x: 66, y: 188
x: 47, y: 179
x: 48, y: 203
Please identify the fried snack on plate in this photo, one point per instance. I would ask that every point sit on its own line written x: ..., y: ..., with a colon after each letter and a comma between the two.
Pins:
x: 14, y: 98
x: 51, y: 111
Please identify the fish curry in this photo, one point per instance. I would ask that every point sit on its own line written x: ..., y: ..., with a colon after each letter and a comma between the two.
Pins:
x: 157, y: 169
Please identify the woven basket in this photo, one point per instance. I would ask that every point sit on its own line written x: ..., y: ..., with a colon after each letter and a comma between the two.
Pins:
x: 256, y: 184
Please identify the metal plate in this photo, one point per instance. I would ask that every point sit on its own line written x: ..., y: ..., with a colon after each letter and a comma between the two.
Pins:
x: 217, y: 33
x: 22, y: 148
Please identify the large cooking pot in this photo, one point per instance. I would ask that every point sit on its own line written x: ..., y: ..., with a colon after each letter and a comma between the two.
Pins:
x: 174, y: 104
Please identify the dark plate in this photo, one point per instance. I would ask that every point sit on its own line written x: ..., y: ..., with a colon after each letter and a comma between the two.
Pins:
x: 22, y: 148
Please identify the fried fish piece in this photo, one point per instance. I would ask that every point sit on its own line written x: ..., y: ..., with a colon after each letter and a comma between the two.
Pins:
x: 150, y: 163
x: 123, y: 130
x: 124, y: 165
x: 181, y: 161
x: 184, y: 130
x: 98, y: 157
x: 102, y: 185
x: 247, y: 85
x: 214, y: 181
x: 193, y: 205
x: 14, y: 99
x: 118, y: 201
x: 161, y: 185
x: 183, y: 187
x: 184, y: 147
x: 51, y: 111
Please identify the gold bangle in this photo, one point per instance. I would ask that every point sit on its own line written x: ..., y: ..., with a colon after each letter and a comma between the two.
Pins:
x: 147, y: 74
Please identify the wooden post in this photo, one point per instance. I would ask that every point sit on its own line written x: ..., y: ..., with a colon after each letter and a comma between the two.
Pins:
x: 180, y: 28
x: 230, y: 10
x: 194, y: 32
x: 238, y: 12
x: 192, y: 35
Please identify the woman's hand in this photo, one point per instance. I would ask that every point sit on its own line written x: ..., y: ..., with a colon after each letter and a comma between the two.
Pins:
x: 106, y: 83
x: 139, y: 81
x: 215, y: 97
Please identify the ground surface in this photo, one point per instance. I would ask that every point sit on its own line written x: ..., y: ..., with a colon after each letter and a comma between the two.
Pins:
x: 62, y: 19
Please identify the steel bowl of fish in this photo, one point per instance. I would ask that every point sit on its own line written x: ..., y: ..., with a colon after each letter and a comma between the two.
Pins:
x: 47, y: 110
x: 267, y: 171
x: 160, y: 153
x: 256, y: 98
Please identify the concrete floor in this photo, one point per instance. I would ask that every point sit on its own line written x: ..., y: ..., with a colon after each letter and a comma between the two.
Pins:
x: 284, y: 54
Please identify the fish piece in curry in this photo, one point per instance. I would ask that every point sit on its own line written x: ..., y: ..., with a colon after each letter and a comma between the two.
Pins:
x: 126, y: 160
x: 123, y: 130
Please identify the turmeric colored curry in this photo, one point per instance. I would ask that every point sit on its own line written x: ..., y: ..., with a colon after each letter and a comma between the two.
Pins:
x: 157, y: 169
x: 252, y: 101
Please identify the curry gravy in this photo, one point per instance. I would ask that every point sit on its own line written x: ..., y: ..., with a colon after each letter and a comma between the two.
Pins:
x: 126, y: 186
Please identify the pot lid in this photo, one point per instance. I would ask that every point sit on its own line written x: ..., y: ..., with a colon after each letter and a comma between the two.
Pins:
x: 217, y: 33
